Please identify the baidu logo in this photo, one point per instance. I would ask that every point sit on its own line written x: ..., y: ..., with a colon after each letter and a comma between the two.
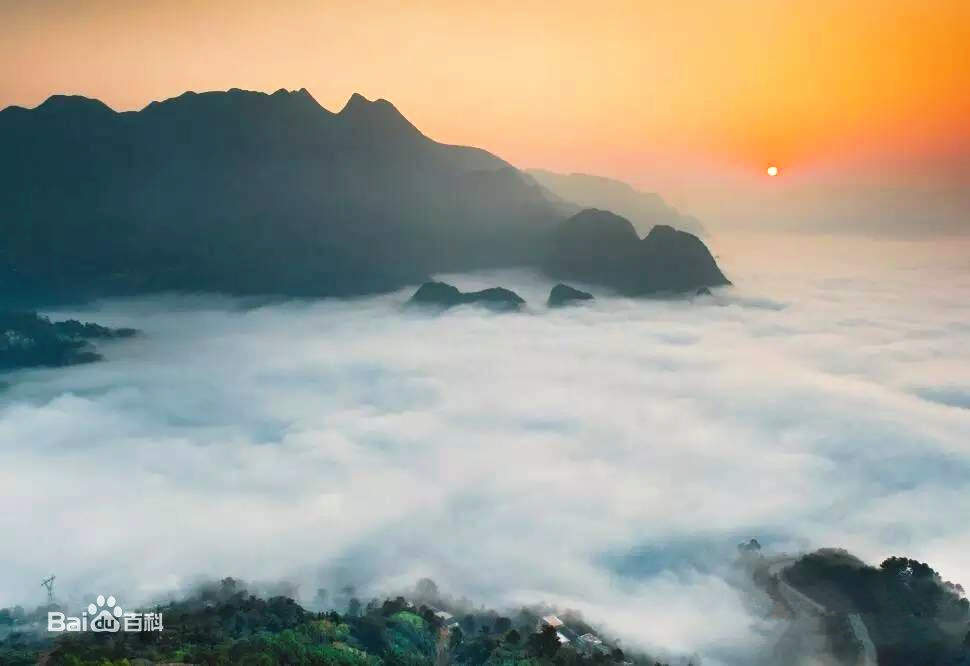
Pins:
x: 105, y: 615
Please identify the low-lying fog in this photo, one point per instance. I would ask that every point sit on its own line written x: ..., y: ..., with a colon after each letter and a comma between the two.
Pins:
x: 606, y: 457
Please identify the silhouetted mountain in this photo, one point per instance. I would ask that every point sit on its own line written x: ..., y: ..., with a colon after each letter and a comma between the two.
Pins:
x: 644, y: 209
x: 563, y: 294
x: 441, y: 294
x: 600, y: 247
x: 28, y: 339
x: 248, y: 192
x: 673, y: 260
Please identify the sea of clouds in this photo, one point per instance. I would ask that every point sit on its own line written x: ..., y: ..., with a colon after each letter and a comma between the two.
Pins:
x: 606, y: 457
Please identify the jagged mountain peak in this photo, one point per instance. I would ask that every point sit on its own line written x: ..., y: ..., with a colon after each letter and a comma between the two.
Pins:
x: 357, y: 103
x: 301, y: 95
x: 374, y: 114
x: 236, y: 97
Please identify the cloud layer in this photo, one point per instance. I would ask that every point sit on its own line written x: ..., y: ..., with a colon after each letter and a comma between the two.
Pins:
x: 604, y: 457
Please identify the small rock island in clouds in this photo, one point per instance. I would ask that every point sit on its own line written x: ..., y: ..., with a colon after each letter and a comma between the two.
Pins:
x: 442, y: 295
x: 563, y: 294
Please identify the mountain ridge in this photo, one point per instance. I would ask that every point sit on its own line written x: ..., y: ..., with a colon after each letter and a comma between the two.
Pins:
x: 250, y: 192
x: 181, y: 193
x: 644, y: 209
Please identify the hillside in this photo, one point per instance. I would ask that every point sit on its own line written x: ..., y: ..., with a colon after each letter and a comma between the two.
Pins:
x: 912, y: 614
x: 246, y: 192
x: 223, y: 623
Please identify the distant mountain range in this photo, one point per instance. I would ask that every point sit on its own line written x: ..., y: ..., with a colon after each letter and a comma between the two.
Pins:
x: 248, y: 192
x: 644, y: 210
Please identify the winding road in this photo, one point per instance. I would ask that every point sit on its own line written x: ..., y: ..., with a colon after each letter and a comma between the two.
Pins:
x: 809, y: 613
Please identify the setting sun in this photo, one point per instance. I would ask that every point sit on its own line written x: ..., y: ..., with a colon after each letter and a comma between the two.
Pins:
x: 772, y: 171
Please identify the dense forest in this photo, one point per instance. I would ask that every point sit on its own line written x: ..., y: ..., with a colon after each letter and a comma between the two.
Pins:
x: 912, y: 614
x: 223, y: 623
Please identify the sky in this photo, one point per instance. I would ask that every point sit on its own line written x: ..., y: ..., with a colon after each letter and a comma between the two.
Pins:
x: 606, y: 457
x: 864, y: 106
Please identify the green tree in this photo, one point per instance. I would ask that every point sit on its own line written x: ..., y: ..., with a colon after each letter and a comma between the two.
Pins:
x: 545, y: 643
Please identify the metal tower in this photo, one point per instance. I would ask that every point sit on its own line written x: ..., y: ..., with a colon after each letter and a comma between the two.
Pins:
x: 49, y: 584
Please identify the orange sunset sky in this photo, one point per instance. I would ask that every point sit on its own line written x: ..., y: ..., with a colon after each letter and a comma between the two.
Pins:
x: 691, y: 98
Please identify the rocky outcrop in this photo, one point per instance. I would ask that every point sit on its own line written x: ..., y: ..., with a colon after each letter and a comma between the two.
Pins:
x: 672, y: 260
x: 563, y: 294
x: 600, y: 247
x: 443, y: 295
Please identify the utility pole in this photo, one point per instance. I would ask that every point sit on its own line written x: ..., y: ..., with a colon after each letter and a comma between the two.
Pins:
x: 49, y: 584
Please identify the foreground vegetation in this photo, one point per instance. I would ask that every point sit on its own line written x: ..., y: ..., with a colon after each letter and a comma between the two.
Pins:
x: 910, y: 615
x: 224, y: 624
x: 913, y: 615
